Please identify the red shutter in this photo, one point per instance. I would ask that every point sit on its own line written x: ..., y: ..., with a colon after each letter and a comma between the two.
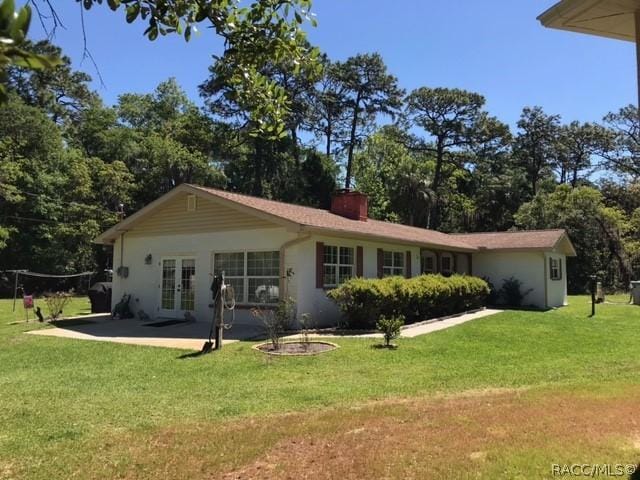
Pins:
x: 319, y: 265
x: 380, y: 262
x: 359, y: 264
x: 407, y: 266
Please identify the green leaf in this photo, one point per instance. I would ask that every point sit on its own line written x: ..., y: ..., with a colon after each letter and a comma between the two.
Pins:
x: 132, y: 12
x: 113, y: 4
x: 20, y: 26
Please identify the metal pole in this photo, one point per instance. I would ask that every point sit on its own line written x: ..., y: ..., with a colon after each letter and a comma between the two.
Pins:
x: 593, y: 295
x: 637, y: 24
x: 219, y: 309
x: 15, y: 291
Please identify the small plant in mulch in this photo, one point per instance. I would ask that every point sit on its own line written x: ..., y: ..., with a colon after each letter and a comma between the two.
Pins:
x: 56, y: 302
x: 306, y: 325
x: 390, y: 328
x: 276, y: 321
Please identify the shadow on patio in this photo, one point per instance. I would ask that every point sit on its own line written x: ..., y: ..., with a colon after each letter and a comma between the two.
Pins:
x: 190, y: 336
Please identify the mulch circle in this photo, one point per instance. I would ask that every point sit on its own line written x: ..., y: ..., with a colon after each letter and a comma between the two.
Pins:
x: 313, y: 347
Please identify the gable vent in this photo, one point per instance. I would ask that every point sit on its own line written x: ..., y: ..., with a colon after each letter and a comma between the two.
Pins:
x: 191, y: 203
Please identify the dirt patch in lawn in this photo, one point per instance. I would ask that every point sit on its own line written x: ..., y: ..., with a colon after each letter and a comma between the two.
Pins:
x: 495, y: 435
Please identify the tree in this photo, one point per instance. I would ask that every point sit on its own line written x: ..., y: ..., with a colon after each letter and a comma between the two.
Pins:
x: 455, y: 123
x: 60, y: 91
x: 171, y: 142
x: 623, y: 156
x: 367, y: 91
x: 14, y: 26
x: 374, y: 170
x: 595, y: 230
x: 264, y: 31
x: 536, y: 144
x: 578, y: 143
x: 55, y: 199
x: 328, y: 116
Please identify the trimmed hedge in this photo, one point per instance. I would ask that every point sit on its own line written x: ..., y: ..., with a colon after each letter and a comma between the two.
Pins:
x: 364, y: 300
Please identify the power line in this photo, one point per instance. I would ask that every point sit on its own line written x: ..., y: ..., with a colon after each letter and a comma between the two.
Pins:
x: 42, y: 220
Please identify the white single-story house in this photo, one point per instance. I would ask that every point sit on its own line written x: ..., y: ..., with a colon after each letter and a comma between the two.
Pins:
x: 166, y: 254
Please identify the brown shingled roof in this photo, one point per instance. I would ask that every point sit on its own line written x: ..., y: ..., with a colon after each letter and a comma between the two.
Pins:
x: 520, y: 240
x: 315, y: 219
x: 324, y: 222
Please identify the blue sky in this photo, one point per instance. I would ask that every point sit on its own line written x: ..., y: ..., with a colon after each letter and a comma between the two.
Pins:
x: 493, y: 47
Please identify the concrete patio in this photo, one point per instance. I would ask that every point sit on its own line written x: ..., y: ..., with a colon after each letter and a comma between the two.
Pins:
x: 102, y: 328
x: 191, y: 336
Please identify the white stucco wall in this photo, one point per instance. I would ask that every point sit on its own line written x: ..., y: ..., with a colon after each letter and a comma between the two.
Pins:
x: 143, y: 282
x: 528, y: 267
x: 556, y: 289
x: 314, y: 300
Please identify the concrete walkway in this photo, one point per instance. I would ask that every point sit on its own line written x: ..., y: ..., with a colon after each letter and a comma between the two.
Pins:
x: 416, y: 329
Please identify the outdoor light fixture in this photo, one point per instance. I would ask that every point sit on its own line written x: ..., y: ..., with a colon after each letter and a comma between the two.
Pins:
x: 148, y: 259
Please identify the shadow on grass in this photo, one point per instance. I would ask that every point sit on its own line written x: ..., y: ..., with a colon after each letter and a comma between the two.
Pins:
x: 382, y: 346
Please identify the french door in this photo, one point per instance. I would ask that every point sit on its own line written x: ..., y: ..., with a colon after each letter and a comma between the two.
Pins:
x: 177, y: 286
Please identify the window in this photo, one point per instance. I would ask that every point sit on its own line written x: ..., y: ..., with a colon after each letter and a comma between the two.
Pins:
x: 254, y: 276
x: 446, y: 264
x: 555, y: 268
x: 393, y: 264
x: 337, y: 264
x: 427, y: 262
x: 191, y: 203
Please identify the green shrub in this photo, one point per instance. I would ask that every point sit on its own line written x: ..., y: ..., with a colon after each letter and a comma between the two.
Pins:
x: 418, y: 298
x: 390, y: 328
x: 511, y: 292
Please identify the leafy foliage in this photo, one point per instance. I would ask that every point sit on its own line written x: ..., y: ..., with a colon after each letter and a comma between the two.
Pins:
x: 511, y: 293
x: 390, y: 328
x: 363, y: 301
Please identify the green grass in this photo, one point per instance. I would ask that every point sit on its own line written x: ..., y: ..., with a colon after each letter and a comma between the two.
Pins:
x: 61, y: 397
x: 76, y: 306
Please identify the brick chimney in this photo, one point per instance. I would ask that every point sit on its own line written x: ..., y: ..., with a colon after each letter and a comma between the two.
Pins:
x: 353, y: 205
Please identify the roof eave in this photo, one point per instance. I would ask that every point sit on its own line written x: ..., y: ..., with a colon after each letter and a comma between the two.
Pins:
x: 369, y: 236
x: 562, y: 13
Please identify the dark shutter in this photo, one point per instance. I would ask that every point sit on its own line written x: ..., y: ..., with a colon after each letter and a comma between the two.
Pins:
x: 319, y: 265
x: 559, y: 269
x: 551, y: 268
x: 359, y: 259
x: 380, y: 262
x: 407, y: 266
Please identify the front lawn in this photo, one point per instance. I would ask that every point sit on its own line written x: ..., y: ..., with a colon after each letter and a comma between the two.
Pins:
x: 81, y: 409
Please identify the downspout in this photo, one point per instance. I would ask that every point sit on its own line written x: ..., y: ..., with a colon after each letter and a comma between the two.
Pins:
x: 283, y: 290
x: 121, y: 252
